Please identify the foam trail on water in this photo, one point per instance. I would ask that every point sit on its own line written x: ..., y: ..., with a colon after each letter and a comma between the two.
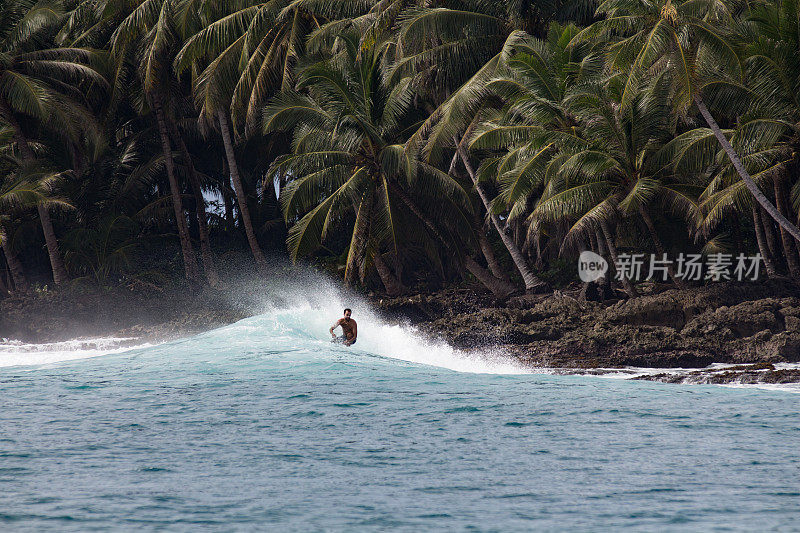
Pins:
x: 16, y: 353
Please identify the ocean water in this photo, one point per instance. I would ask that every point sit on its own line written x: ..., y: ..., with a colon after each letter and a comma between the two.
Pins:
x: 266, y: 425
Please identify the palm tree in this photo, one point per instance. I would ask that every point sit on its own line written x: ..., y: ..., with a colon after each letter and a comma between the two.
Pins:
x: 770, y: 39
x: 452, y: 124
x: 214, y: 44
x: 249, y: 51
x: 344, y: 157
x: 145, y: 35
x: 102, y: 253
x: 472, y: 38
x: 19, y: 190
x: 533, y: 84
x: 39, y: 87
x: 684, y: 36
x: 619, y: 172
x: 695, y: 153
x: 252, y: 49
x: 348, y: 158
x: 452, y: 40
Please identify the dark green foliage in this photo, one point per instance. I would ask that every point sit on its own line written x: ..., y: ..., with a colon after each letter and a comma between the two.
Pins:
x: 581, y: 123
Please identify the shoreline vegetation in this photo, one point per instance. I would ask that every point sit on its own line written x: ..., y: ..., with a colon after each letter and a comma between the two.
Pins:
x: 456, y: 157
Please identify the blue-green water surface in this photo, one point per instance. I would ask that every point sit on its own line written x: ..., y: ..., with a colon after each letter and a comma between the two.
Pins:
x: 265, y: 425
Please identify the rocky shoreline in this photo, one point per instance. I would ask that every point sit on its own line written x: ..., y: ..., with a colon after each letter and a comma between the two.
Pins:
x: 749, y: 327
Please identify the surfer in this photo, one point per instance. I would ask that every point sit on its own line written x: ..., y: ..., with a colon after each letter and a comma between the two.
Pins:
x: 349, y: 328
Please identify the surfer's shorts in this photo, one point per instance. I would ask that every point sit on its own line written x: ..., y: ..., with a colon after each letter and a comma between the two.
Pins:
x: 343, y: 340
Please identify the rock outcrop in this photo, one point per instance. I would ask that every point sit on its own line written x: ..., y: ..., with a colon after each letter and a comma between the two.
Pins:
x: 735, y: 323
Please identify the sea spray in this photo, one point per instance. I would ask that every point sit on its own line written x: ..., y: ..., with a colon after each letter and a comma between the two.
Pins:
x: 302, y: 304
x: 291, y: 308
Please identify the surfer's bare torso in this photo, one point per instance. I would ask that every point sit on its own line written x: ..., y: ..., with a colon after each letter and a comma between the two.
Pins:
x: 349, y: 328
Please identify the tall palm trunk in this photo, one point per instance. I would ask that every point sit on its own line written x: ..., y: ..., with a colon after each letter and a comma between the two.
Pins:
x: 771, y: 210
x: 358, y: 244
x: 488, y: 252
x: 651, y: 228
x: 604, y: 282
x: 56, y: 259
x: 393, y: 286
x: 789, y: 246
x: 244, y: 211
x: 202, y: 226
x: 4, y: 290
x: 14, y: 264
x: 189, y: 261
x: 359, y: 240
x: 230, y: 221
x: 483, y: 241
x: 612, y: 248
x: 499, y: 288
x: 530, y: 279
x: 769, y: 265
x: 230, y: 218
x: 772, y: 242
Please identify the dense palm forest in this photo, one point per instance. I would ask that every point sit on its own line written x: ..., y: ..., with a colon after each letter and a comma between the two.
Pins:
x: 397, y: 143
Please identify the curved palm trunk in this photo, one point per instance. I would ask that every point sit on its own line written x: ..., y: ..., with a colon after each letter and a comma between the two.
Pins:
x: 771, y: 210
x: 358, y: 244
x: 202, y: 226
x: 769, y: 265
x: 244, y: 211
x: 230, y: 221
x: 605, y: 281
x: 358, y: 241
x: 14, y: 264
x: 789, y: 247
x: 769, y: 236
x: 189, y: 261
x: 499, y: 288
x: 612, y: 248
x: 651, y: 228
x: 3, y: 287
x: 530, y: 279
x: 56, y: 259
x: 488, y: 252
x: 483, y: 242
x: 390, y: 282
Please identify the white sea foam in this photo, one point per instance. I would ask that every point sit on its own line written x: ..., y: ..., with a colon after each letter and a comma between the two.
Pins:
x: 16, y: 353
x: 298, y: 309
x: 406, y: 344
x: 638, y: 372
x: 378, y: 338
x: 304, y: 305
x: 782, y: 387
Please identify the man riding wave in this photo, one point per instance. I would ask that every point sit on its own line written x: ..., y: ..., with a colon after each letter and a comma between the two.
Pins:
x: 349, y: 329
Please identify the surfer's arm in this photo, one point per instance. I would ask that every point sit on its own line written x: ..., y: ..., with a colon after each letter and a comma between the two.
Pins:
x: 333, y: 327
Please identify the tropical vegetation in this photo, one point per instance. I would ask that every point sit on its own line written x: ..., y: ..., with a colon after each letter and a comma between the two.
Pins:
x: 396, y: 143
